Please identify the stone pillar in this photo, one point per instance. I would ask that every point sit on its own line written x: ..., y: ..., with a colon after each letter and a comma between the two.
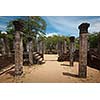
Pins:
x: 72, y: 39
x: 3, y: 47
x: 65, y: 46
x: 41, y: 48
x: 38, y: 47
x: 30, y: 51
x: 60, y: 48
x: 7, y: 46
x: 83, y: 49
x: 18, y: 48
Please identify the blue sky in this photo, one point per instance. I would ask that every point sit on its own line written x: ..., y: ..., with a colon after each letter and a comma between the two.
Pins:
x: 62, y: 25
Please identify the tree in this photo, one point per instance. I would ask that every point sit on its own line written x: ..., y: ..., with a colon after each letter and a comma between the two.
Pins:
x: 93, y: 39
x: 52, y: 41
x: 33, y: 25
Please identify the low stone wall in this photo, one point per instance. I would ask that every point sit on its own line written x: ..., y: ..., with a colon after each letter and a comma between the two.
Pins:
x: 93, y: 58
x: 6, y: 61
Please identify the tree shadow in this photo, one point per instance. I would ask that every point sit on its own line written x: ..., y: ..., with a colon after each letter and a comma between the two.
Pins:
x: 69, y: 74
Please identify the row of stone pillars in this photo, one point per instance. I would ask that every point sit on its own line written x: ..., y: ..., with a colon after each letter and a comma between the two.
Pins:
x: 83, y: 48
x: 19, y: 48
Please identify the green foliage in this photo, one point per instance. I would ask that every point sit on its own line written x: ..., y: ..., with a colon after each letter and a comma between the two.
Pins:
x: 51, y: 41
x: 93, y: 39
x: 33, y: 26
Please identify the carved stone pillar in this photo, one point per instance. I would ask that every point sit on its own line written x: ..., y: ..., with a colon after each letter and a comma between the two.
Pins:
x: 83, y: 49
x: 65, y: 46
x: 72, y: 47
x: 18, y: 48
x: 60, y: 48
x: 41, y: 48
x: 30, y: 50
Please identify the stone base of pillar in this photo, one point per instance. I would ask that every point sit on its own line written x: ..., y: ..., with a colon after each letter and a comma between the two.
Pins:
x: 83, y: 71
x: 71, y: 64
x: 19, y: 71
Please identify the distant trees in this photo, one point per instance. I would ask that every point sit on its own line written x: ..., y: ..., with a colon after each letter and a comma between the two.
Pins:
x: 93, y: 39
x: 51, y: 42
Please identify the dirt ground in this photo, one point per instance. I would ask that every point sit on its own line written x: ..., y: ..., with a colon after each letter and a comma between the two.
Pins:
x: 51, y: 72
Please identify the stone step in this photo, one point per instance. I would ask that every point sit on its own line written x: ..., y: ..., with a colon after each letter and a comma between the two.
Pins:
x: 38, y: 57
x: 34, y: 53
x: 41, y: 62
x: 41, y: 59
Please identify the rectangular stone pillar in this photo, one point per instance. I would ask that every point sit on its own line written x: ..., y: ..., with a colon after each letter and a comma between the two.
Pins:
x: 65, y: 46
x: 18, y: 47
x: 7, y: 46
x: 41, y: 48
x: 83, y: 49
x: 18, y: 54
x: 31, y: 52
x: 60, y: 48
x: 3, y: 47
x: 72, y: 38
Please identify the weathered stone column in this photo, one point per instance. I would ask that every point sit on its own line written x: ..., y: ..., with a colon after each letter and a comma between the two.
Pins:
x: 38, y: 46
x: 60, y: 48
x: 30, y: 50
x: 18, y: 48
x: 3, y: 47
x: 5, y: 44
x: 72, y: 39
x: 41, y: 48
x: 65, y: 46
x: 83, y: 49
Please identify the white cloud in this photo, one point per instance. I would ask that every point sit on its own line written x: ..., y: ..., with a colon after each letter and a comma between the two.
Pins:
x: 3, y: 27
x: 69, y: 24
x: 51, y: 34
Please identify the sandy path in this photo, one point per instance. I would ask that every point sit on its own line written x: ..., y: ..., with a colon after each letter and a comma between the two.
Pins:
x: 52, y: 72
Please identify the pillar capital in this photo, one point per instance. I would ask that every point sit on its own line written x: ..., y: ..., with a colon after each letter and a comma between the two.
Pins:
x: 18, y: 25
x: 72, y: 38
x: 84, y: 28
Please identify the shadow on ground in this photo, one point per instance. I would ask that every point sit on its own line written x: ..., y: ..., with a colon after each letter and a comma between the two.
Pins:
x: 65, y: 65
x: 70, y: 74
x: 12, y: 73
